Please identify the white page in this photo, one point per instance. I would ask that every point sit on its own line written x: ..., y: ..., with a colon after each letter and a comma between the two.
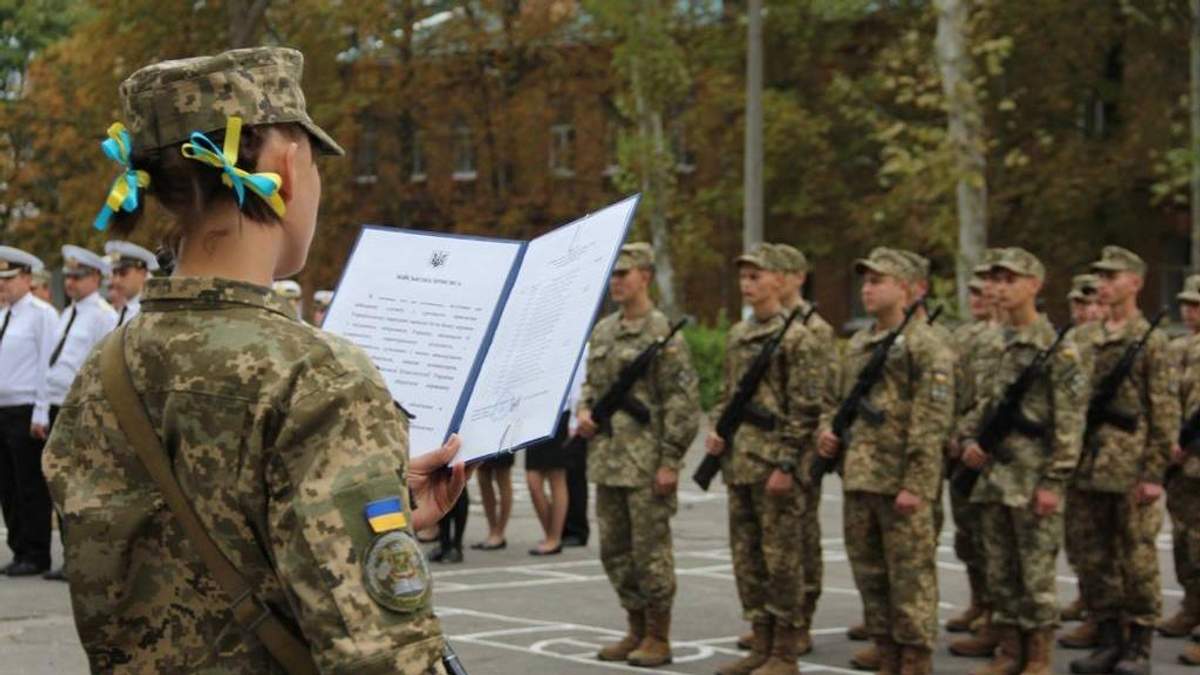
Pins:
x: 420, y: 305
x: 546, y: 321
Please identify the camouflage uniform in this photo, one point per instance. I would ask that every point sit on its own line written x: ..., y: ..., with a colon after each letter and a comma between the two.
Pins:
x: 893, y: 556
x: 635, y: 523
x: 1183, y: 488
x: 280, y: 434
x: 1076, y: 518
x: 762, y: 528
x: 1019, y: 546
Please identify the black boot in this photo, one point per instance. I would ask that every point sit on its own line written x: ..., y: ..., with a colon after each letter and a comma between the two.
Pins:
x: 1107, y: 654
x: 1135, y: 659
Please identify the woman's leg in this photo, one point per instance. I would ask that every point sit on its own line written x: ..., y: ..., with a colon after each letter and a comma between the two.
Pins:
x: 487, y: 475
x: 557, y: 509
x: 503, y: 476
x: 541, y: 506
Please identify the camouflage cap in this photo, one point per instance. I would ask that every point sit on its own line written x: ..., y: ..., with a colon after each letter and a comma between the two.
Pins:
x: 1083, y: 286
x: 1117, y: 259
x: 165, y: 102
x: 1191, y: 290
x: 1021, y: 262
x: 921, y: 264
x: 42, y: 277
x: 989, y: 257
x: 792, y: 258
x: 763, y: 256
x: 636, y: 255
x: 976, y: 285
x: 888, y: 261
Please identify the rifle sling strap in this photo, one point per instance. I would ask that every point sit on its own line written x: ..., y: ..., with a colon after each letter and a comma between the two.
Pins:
x: 250, y: 613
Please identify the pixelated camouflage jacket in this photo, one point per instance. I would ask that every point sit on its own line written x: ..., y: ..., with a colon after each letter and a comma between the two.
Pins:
x: 903, y: 450
x: 977, y: 345
x: 279, y: 434
x: 791, y: 394
x: 1186, y: 353
x: 1057, y: 402
x: 827, y: 341
x: 630, y: 455
x: 1114, y: 460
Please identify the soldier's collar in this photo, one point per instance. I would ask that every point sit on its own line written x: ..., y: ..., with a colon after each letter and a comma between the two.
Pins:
x: 1133, y: 327
x: 211, y: 291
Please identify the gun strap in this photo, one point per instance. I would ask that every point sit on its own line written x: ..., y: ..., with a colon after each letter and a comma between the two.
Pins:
x: 250, y: 612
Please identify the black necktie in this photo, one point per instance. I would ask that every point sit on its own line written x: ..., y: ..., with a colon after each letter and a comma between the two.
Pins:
x: 121, y: 320
x: 63, y: 341
x: 4, y: 328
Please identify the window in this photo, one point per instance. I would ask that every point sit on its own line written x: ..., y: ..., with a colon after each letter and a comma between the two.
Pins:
x: 562, y: 150
x: 366, y: 155
x: 416, y: 150
x: 464, y: 153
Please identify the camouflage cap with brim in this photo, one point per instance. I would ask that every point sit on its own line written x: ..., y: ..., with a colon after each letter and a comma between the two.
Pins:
x: 165, y: 102
x: 1117, y: 259
x: 976, y: 285
x: 635, y: 255
x: 889, y: 262
x: 763, y: 256
x: 989, y: 256
x: 1020, y: 262
x: 1083, y: 287
x: 920, y: 264
x: 792, y: 259
x: 1191, y: 290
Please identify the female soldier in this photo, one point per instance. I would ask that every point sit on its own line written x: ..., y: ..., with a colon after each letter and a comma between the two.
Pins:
x: 282, y: 438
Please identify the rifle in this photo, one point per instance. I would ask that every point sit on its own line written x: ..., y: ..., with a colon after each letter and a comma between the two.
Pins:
x: 856, y: 401
x: 740, y: 409
x: 1100, y: 410
x: 1006, y: 417
x: 933, y: 316
x: 617, y: 397
x: 1189, y: 435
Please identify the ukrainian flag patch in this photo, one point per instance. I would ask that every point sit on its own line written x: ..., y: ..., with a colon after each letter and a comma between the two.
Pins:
x: 385, y: 515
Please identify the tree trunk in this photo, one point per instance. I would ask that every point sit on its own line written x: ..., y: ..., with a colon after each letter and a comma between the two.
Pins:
x: 244, y: 19
x: 653, y: 146
x: 964, y: 124
x: 1194, y: 101
x: 752, y: 207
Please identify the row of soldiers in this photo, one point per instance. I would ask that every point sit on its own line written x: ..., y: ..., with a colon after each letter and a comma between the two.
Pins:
x: 1043, y: 431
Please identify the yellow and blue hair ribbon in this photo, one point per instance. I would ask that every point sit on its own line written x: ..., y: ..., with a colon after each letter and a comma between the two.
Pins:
x: 123, y: 195
x: 384, y: 515
x: 266, y: 185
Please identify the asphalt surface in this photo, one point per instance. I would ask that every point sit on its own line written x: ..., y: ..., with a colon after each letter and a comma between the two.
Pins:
x: 509, y: 613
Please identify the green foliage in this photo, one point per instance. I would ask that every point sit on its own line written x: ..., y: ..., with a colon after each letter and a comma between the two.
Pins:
x: 707, y: 344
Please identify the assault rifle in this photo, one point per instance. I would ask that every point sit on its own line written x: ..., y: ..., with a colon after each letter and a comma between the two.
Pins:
x: 1100, y: 410
x: 1006, y: 417
x: 617, y: 396
x: 856, y: 402
x: 1189, y: 440
x: 933, y: 316
x: 740, y: 408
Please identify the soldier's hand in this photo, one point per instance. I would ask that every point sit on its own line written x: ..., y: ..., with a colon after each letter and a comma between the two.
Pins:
x: 714, y: 443
x: 1176, y: 454
x: 434, y: 484
x: 587, y: 426
x: 780, y: 483
x: 907, y: 503
x: 953, y: 449
x: 38, y: 431
x: 1045, y: 502
x: 1147, y: 493
x: 665, y: 481
x: 828, y: 445
x: 974, y: 456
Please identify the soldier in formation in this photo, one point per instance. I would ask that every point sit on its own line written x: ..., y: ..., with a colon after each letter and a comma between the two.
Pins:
x: 635, y: 463
x: 1183, y: 484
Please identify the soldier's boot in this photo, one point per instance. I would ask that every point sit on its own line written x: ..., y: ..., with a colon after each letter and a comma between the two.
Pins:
x: 1190, y: 655
x: 1039, y: 652
x: 619, y: 651
x: 888, y: 653
x: 916, y: 661
x: 745, y: 640
x: 962, y: 622
x: 783, y: 652
x: 868, y: 658
x: 1135, y: 658
x: 1106, y: 655
x: 1184, y: 621
x: 760, y: 650
x: 655, y: 648
x: 858, y: 632
x: 1008, y: 659
x: 1074, y: 611
x: 804, y: 643
x: 981, y: 644
x: 1084, y: 636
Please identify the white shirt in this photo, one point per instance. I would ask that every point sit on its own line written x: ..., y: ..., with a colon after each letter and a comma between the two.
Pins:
x: 25, y: 349
x: 132, y: 308
x: 94, y: 318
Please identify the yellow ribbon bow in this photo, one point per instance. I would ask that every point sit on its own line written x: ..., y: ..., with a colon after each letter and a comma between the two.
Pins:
x: 265, y: 185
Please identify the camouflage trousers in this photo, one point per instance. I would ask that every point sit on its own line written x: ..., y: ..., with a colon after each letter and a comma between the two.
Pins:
x: 968, y: 544
x: 1118, y: 561
x: 810, y: 544
x: 635, y: 545
x: 1183, y: 503
x: 893, y: 560
x: 1020, y: 549
x: 766, y: 559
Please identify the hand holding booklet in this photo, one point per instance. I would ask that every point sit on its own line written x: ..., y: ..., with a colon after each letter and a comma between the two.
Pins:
x: 475, y: 335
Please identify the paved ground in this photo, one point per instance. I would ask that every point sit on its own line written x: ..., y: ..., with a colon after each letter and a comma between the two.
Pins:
x: 509, y: 613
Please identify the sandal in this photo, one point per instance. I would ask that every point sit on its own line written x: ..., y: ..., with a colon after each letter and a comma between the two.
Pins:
x: 485, y: 546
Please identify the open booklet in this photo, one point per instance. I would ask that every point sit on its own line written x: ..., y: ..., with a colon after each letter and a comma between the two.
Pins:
x: 475, y: 335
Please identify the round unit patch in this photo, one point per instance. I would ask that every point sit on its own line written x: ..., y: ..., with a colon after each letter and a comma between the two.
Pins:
x: 395, y: 572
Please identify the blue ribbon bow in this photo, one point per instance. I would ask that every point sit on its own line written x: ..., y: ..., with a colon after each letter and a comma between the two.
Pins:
x: 202, y: 149
x: 123, y: 195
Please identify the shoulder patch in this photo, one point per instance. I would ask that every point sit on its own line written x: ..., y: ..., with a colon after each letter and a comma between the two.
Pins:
x: 395, y: 573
